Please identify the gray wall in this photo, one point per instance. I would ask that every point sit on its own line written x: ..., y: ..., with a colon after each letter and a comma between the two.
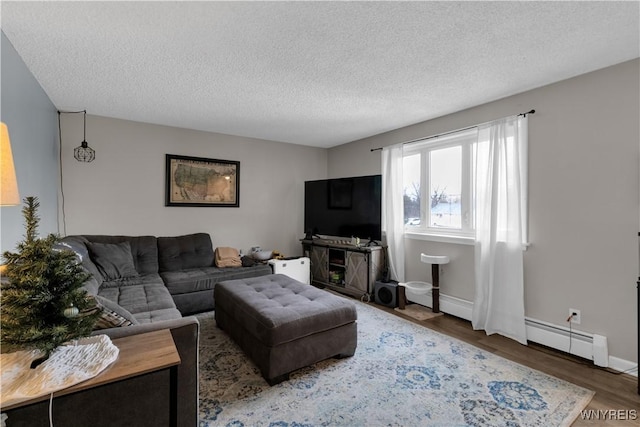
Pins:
x: 31, y: 119
x: 583, y: 201
x: 123, y: 190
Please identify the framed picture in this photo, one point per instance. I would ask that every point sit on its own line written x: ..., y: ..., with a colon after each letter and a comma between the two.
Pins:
x: 197, y: 181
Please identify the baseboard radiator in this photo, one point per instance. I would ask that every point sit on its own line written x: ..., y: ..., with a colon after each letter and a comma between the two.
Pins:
x: 578, y: 343
x: 583, y: 344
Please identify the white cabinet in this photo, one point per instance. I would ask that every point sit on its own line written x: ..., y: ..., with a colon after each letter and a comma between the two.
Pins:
x: 296, y: 268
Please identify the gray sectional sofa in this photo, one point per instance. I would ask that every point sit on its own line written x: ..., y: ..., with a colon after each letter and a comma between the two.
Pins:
x: 153, y: 282
x: 183, y: 265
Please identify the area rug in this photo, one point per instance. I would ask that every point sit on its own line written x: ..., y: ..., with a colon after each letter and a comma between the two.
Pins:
x: 402, y: 374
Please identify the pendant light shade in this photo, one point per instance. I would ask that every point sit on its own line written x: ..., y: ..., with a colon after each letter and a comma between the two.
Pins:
x: 84, y: 153
x: 8, y: 184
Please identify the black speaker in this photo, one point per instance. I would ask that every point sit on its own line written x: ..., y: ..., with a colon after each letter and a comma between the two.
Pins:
x: 386, y: 294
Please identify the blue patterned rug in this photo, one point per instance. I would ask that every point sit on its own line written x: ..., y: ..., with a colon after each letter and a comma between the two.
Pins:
x: 402, y: 374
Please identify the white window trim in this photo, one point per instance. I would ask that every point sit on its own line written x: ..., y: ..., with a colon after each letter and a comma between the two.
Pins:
x: 465, y: 235
x: 442, y: 238
x: 448, y: 238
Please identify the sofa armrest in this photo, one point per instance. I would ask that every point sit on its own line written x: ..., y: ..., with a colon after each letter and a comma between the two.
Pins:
x: 143, y: 328
x: 185, y: 332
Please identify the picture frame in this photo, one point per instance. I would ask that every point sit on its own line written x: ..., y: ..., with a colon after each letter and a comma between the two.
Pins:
x: 202, y: 182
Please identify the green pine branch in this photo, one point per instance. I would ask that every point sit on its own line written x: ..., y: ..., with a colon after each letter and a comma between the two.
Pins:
x: 29, y: 211
x: 42, y: 283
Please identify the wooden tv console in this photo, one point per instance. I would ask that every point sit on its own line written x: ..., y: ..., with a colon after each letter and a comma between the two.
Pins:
x: 343, y: 267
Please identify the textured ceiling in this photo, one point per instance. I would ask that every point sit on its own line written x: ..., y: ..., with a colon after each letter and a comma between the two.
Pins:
x: 311, y: 73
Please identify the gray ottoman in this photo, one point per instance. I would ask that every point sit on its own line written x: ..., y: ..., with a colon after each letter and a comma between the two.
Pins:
x: 284, y: 325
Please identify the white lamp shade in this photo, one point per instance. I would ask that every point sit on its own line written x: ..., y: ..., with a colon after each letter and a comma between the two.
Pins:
x: 8, y: 185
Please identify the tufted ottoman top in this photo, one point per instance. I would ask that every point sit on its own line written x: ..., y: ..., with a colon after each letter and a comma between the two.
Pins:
x: 277, y: 309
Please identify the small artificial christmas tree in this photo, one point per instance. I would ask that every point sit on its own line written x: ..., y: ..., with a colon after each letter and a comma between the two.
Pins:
x: 43, y: 304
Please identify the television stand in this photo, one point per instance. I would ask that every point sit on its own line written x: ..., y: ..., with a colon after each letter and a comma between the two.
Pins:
x: 343, y: 267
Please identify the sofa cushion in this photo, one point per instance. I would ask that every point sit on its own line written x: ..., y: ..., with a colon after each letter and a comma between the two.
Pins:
x: 114, y: 260
x: 157, y: 315
x: 78, y: 245
x: 184, y: 252
x: 199, y: 279
x: 144, y: 250
x: 140, y: 298
x: 91, y: 286
x: 147, y: 279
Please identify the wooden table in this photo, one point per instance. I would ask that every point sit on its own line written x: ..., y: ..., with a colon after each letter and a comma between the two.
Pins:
x: 144, y: 362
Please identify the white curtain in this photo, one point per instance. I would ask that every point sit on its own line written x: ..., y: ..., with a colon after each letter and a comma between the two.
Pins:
x: 500, y: 192
x: 393, y: 209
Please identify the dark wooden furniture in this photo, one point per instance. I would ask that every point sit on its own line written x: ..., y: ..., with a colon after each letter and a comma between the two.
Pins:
x: 142, y: 380
x: 343, y: 267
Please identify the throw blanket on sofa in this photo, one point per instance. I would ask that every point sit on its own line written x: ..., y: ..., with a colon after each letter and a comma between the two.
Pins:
x: 227, y: 257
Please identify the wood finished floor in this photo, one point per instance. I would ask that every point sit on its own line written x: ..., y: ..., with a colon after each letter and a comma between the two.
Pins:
x: 613, y: 390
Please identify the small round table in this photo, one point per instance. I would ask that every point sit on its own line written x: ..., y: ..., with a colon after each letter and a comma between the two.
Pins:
x: 422, y: 288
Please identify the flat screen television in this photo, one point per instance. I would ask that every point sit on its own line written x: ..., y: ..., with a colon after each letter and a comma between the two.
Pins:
x: 344, y: 207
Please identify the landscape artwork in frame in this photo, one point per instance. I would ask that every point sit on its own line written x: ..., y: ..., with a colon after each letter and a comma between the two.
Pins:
x: 197, y: 181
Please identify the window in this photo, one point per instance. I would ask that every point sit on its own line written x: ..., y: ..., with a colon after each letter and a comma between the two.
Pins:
x: 437, y: 184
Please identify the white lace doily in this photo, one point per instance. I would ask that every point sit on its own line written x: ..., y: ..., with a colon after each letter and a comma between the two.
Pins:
x: 67, y: 365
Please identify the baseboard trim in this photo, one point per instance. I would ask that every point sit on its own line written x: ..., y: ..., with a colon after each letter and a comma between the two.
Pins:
x: 448, y: 304
x: 575, y: 342
x: 623, y: 365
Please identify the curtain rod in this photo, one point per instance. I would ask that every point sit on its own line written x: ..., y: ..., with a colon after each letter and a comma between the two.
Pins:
x: 450, y: 132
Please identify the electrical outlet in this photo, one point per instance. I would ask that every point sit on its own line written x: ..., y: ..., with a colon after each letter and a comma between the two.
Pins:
x: 575, y: 316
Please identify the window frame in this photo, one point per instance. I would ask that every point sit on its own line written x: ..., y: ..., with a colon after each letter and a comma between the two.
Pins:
x: 466, y: 234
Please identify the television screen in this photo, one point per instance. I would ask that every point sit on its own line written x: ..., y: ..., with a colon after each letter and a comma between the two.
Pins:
x: 344, y: 207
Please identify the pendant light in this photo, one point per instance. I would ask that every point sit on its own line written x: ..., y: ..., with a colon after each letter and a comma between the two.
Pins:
x: 84, y: 153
